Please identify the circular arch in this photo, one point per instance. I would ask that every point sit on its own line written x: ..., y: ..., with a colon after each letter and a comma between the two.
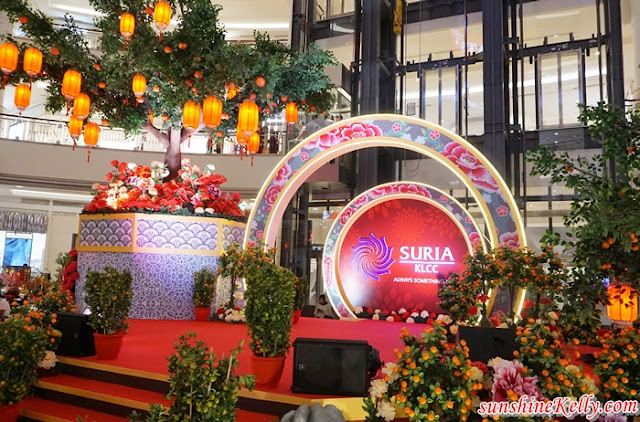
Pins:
x: 487, y: 187
x: 404, y: 189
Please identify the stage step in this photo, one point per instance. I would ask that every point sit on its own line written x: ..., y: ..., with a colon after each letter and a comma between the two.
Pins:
x: 74, y: 396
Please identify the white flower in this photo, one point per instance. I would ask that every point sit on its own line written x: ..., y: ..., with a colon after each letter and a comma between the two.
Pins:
x: 402, y: 311
x: 153, y: 191
x: 390, y: 319
x: 199, y: 210
x: 378, y: 387
x: 377, y: 311
x: 388, y: 368
x: 185, y: 162
x: 410, y: 320
x: 375, y: 317
x: 238, y: 283
x: 209, y: 211
x: 386, y: 410
x: 493, y: 362
x: 572, y: 369
x: 453, y: 329
x: 225, y: 302
x: 475, y: 401
x: 210, y: 167
x: 49, y: 360
x: 476, y: 374
x: 95, y: 186
x: 553, y: 316
x: 359, y: 310
x: 424, y: 314
x: 503, y: 325
x: 132, y: 166
x: 415, y: 314
x: 590, y: 386
x: 238, y: 295
x: 446, y: 319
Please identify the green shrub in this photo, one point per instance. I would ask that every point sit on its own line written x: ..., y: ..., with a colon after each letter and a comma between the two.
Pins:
x: 108, y: 294
x: 204, y: 287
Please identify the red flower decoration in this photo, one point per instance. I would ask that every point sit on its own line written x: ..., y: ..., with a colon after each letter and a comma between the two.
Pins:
x: 473, y: 310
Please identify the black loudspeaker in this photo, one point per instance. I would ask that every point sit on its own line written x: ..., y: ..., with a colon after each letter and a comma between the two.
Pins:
x: 487, y: 343
x: 77, y: 336
x: 341, y: 367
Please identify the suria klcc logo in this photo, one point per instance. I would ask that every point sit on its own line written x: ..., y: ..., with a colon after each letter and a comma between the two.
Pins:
x: 426, y: 259
x: 372, y: 257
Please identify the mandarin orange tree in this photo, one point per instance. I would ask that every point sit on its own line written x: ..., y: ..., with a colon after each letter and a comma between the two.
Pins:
x: 604, y: 219
x: 429, y: 381
x: 188, y: 60
x: 618, y: 365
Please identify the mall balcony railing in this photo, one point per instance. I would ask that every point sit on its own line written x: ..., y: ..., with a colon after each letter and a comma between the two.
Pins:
x: 22, y: 128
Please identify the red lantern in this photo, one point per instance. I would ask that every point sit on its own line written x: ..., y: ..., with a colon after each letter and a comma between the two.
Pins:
x: 248, y: 117
x: 624, y: 304
x: 211, y: 112
x: 75, y: 127
x: 253, y: 146
x: 91, y: 134
x: 81, y: 106
x: 8, y: 58
x: 127, y: 25
x: 22, y: 97
x: 191, y: 115
x: 71, y: 83
x: 139, y: 85
x: 291, y: 113
x: 32, y: 61
x: 162, y: 15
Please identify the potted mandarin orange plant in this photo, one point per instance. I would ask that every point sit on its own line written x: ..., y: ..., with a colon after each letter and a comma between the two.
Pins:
x: 204, y: 287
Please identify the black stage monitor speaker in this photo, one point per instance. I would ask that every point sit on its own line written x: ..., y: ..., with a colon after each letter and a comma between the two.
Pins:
x: 77, y: 336
x: 324, y: 366
x: 487, y: 343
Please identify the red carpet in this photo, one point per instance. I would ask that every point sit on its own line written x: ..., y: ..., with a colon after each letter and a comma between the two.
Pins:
x: 149, y: 342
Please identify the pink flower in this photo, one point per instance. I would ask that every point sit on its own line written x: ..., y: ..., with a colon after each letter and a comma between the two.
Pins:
x: 502, y: 210
x: 444, y: 198
x: 346, y: 214
x: 360, y: 201
x: 304, y: 156
x: 467, y: 219
x: 145, y: 183
x: 259, y: 234
x: 470, y: 165
x: 424, y: 192
x: 434, y: 135
x: 283, y: 174
x: 508, y: 377
x: 324, y: 141
x: 475, y: 238
x: 361, y: 130
x: 510, y: 239
x: 404, y: 188
x: 397, y: 127
x: 272, y: 194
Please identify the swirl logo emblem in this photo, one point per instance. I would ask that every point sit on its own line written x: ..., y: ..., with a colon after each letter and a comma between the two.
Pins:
x: 372, y: 257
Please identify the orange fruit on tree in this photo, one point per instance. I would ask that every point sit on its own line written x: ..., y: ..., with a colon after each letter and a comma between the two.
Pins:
x: 182, y: 46
x: 102, y: 85
x: 148, y: 10
x: 97, y: 66
x: 167, y: 49
x: 198, y: 74
x: 54, y: 51
x: 605, y: 245
x: 156, y: 88
x: 23, y: 19
x: 260, y: 81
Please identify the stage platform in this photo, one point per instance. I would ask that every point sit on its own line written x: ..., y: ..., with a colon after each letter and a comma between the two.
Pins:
x: 142, y: 365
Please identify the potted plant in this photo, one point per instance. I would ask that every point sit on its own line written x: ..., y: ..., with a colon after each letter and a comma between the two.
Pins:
x: 108, y: 295
x: 204, y: 287
x: 269, y: 311
x: 302, y: 294
x: 22, y: 346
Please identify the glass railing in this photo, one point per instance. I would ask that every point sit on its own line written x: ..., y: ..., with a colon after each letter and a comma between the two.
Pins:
x: 21, y: 128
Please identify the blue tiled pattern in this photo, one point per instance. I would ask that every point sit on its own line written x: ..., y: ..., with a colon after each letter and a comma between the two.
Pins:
x: 106, y: 232
x: 171, y: 234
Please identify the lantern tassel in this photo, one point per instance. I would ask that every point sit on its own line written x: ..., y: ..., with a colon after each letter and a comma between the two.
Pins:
x: 73, y: 148
x: 68, y: 106
x: 252, y: 161
x: 160, y: 36
x: 88, y: 156
x: 189, y: 142
x: 4, y: 80
x: 241, y: 153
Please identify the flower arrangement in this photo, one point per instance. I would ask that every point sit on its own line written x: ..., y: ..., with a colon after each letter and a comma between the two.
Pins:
x: 136, y: 188
x: 204, y: 287
x: 22, y: 346
x: 429, y: 381
x: 108, y: 295
x: 269, y: 308
x: 203, y: 387
x: 618, y: 366
x: 70, y: 272
x: 234, y: 264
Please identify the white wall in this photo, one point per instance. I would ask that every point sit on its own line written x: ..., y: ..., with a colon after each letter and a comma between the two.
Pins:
x: 62, y: 226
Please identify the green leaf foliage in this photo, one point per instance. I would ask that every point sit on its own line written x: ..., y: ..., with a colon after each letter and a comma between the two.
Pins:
x: 108, y: 295
x: 204, y: 287
x: 269, y: 309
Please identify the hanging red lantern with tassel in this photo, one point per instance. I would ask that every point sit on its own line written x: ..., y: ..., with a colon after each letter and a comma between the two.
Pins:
x: 191, y: 115
x: 139, y: 85
x: 71, y: 82
x: 75, y: 129
x: 22, y: 97
x: 8, y: 60
x: 127, y: 26
x: 81, y: 106
x: 32, y: 63
x: 248, y: 117
x: 162, y: 16
x: 253, y: 145
x: 291, y: 113
x: 212, y: 112
x: 91, y: 135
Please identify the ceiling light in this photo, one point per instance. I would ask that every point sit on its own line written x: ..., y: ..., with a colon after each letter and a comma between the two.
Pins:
x: 256, y: 25
x: 59, y: 196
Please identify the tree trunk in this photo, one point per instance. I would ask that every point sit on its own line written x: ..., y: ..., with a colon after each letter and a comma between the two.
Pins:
x: 173, y: 156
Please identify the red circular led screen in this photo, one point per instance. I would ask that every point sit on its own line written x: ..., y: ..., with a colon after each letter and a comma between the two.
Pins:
x: 395, y: 251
